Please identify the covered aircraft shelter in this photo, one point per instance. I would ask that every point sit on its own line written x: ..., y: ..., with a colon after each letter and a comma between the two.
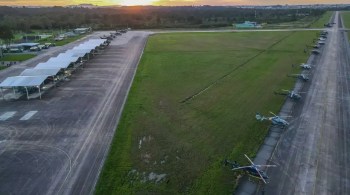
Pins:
x: 63, y: 64
x: 23, y: 81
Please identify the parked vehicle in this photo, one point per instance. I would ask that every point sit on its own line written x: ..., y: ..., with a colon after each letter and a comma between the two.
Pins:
x: 15, y: 50
x: 50, y: 44
x: 35, y: 48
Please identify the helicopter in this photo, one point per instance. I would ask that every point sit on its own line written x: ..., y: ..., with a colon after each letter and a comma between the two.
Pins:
x: 305, y: 66
x: 329, y: 25
x: 275, y: 120
x: 291, y: 94
x: 315, y: 51
x: 299, y: 76
x: 253, y: 169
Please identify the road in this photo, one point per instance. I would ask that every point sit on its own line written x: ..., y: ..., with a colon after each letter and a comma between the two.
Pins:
x: 57, y: 145
x: 312, y: 156
x: 249, y: 30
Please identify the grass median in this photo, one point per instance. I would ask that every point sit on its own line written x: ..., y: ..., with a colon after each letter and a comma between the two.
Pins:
x: 346, y: 20
x: 324, y: 19
x: 17, y: 57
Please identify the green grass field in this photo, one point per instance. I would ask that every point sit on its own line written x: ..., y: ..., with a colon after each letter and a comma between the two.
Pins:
x: 322, y: 20
x: 346, y: 20
x: 17, y: 57
x: 234, y: 76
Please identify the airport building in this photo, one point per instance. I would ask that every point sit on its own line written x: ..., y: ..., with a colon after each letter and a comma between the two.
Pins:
x: 82, y: 30
x: 247, y: 24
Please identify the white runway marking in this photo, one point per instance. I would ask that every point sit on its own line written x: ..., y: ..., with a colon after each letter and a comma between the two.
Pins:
x: 28, y: 115
x: 7, y: 115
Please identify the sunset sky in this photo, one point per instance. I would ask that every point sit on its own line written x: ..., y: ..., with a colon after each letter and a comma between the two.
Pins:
x: 167, y: 2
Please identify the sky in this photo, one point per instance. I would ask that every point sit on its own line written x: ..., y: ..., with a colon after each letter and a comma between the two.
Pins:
x: 166, y: 2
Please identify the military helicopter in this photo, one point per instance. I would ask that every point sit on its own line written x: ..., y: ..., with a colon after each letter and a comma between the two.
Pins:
x: 253, y: 169
x: 329, y: 25
x: 299, y: 76
x: 291, y: 94
x: 315, y: 51
x: 305, y: 66
x: 275, y: 120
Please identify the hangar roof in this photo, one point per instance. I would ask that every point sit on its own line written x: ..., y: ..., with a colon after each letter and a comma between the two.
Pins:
x: 78, y: 52
x: 53, y: 64
x: 60, y: 57
x: 38, y: 72
x: 37, y: 75
x: 28, y: 44
x: 23, y: 81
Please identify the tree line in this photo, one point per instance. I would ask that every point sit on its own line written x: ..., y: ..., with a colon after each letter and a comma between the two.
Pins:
x: 142, y: 17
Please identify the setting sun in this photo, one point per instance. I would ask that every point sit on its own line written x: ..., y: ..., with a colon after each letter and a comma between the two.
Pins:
x: 137, y: 2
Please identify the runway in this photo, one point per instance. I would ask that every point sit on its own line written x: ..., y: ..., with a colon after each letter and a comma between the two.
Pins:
x: 312, y: 155
x: 57, y: 145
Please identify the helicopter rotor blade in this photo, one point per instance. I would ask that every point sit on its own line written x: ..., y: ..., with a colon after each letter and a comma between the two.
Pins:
x: 273, y: 113
x: 257, y: 170
x: 240, y: 168
x: 285, y: 116
x: 266, y: 165
x: 249, y: 159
